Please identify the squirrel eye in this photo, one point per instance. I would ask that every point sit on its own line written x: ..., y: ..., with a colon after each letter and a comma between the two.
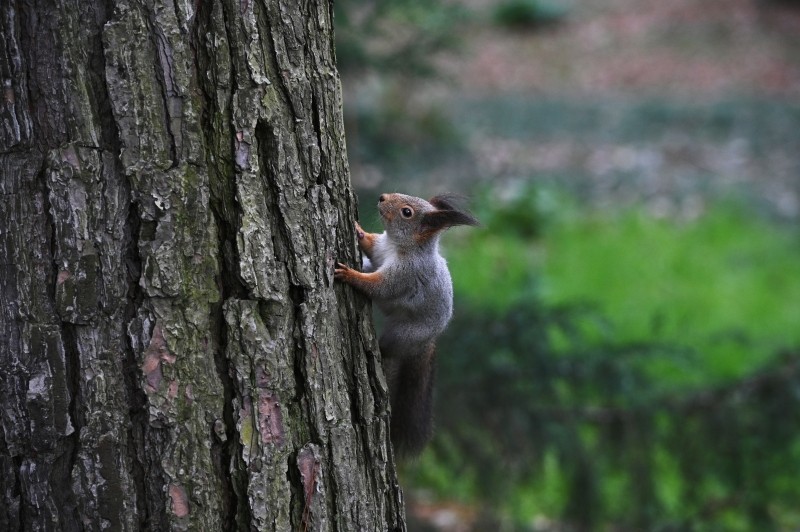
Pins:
x: 406, y: 212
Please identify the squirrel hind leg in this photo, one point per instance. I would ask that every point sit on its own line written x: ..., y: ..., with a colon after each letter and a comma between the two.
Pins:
x: 411, y: 389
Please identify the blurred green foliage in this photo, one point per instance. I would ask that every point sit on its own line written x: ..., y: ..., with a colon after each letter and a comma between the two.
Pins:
x: 394, y: 38
x: 617, y: 370
x: 396, y: 133
x: 725, y: 285
x: 528, y: 13
x: 385, y: 50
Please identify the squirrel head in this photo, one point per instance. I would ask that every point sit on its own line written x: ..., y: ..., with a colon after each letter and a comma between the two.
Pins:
x: 408, y: 219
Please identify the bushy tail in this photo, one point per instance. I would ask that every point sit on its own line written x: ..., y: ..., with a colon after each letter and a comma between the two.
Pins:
x: 411, y: 389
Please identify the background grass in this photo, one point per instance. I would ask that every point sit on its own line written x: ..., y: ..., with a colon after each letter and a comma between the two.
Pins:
x: 725, y: 286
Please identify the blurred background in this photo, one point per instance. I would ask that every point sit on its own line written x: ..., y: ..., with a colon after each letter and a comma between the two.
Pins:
x: 625, y: 350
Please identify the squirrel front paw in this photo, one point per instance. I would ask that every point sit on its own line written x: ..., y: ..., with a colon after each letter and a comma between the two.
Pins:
x: 365, y: 240
x: 367, y: 282
x: 342, y: 272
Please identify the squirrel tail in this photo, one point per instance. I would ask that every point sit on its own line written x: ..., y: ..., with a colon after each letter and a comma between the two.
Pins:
x: 411, y: 389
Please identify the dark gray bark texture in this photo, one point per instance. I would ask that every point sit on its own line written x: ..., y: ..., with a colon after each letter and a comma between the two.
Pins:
x: 174, y: 354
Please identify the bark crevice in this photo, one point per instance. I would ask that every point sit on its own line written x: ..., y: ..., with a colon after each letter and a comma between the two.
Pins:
x: 165, y: 79
x: 72, y: 362
x: 135, y: 395
x: 22, y: 513
x: 297, y: 295
x: 226, y: 448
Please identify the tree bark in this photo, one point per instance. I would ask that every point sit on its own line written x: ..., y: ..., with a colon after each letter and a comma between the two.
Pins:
x: 173, y: 351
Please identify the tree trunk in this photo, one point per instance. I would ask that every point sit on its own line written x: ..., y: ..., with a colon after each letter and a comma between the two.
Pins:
x: 174, y: 192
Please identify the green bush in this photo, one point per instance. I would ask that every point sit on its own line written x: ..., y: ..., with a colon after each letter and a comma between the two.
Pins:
x: 528, y: 13
x: 585, y: 437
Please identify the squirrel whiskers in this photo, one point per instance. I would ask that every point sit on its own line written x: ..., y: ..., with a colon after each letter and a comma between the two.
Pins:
x: 408, y: 279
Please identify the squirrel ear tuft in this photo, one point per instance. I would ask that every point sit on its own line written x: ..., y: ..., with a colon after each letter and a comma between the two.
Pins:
x: 447, y: 202
x: 447, y: 214
x: 435, y: 221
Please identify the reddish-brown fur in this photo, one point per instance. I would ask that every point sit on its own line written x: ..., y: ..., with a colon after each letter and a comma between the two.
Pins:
x: 366, y: 241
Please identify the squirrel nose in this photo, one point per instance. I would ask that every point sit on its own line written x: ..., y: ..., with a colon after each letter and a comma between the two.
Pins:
x: 382, y: 198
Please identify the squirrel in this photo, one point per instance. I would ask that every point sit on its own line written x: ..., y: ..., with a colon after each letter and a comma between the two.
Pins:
x: 408, y: 279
